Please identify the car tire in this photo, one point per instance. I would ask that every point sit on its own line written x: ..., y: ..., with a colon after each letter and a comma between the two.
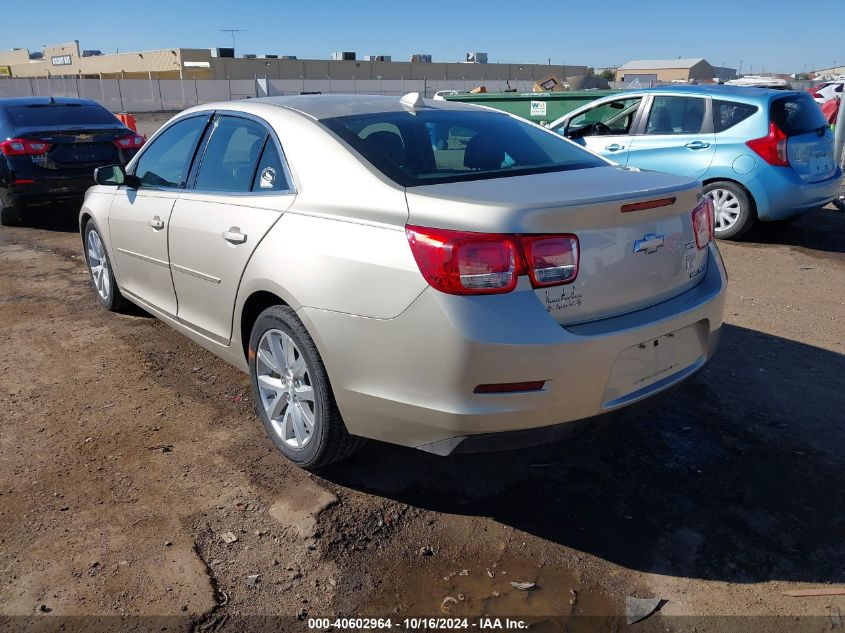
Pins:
x: 734, y: 209
x: 101, y: 271
x: 9, y: 216
x: 292, y: 392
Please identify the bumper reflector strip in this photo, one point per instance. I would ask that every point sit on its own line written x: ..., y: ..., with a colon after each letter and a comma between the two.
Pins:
x: 510, y: 387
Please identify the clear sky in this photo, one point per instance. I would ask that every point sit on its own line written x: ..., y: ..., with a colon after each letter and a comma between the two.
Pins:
x: 770, y: 35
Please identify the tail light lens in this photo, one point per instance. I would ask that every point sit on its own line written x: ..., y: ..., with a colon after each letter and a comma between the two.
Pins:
x: 23, y: 147
x: 703, y: 222
x: 772, y: 147
x: 550, y: 259
x: 464, y: 263
x: 132, y: 141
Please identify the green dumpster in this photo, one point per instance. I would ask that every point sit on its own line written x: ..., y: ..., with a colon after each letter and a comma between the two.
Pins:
x: 539, y: 107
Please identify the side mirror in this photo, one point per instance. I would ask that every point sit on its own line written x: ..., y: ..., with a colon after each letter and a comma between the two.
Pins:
x: 115, y: 176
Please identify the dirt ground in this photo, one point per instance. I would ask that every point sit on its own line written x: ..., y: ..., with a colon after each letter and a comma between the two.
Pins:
x: 129, y: 456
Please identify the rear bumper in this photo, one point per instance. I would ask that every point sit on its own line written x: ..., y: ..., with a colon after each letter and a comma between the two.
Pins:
x: 780, y: 193
x: 410, y: 380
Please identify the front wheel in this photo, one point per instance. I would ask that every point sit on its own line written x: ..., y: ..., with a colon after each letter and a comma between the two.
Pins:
x: 292, y: 392
x: 733, y: 210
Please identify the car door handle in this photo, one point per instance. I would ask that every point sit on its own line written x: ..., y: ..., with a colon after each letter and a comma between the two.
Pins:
x: 615, y: 147
x: 157, y: 223
x: 697, y: 145
x: 234, y: 236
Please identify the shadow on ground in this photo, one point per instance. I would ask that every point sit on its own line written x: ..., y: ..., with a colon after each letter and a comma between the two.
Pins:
x: 737, y: 477
x: 822, y: 230
x: 62, y: 217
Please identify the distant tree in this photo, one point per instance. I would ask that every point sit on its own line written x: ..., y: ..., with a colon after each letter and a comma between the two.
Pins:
x: 608, y: 74
x: 802, y: 76
x: 590, y: 71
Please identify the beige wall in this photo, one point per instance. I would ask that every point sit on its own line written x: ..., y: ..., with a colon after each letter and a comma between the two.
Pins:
x: 170, y: 64
x: 702, y: 70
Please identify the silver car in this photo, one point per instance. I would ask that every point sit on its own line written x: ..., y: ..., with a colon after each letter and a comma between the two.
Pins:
x: 427, y: 273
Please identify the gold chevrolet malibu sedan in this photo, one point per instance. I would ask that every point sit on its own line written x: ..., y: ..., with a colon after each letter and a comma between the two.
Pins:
x: 432, y: 274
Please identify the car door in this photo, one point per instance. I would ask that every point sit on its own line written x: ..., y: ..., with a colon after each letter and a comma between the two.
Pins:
x: 241, y: 187
x: 606, y: 127
x: 677, y: 136
x: 138, y: 217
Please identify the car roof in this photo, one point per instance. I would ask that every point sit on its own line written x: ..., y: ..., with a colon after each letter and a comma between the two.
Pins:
x: 335, y: 105
x: 29, y: 101
x: 748, y: 93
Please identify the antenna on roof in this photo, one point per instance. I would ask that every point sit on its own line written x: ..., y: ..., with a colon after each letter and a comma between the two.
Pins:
x: 412, y: 101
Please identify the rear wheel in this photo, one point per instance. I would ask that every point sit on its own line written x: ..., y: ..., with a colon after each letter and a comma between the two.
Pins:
x: 292, y: 392
x: 9, y: 216
x: 733, y: 210
x: 99, y: 266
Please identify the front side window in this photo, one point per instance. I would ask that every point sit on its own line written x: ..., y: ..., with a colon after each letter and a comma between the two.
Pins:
x: 611, y: 118
x: 231, y: 156
x: 431, y: 146
x: 676, y: 115
x: 167, y: 159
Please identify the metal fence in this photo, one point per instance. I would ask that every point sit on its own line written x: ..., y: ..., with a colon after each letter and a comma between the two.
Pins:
x: 152, y: 95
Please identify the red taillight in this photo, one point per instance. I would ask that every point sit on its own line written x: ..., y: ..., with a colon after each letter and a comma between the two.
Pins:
x: 132, y: 141
x: 550, y: 259
x: 23, y: 147
x: 703, y: 222
x: 772, y: 147
x: 464, y: 263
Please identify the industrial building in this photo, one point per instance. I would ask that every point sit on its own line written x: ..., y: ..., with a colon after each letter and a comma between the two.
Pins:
x: 673, y: 70
x: 67, y: 60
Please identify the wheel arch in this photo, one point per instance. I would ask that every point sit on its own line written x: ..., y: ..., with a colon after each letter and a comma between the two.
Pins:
x: 751, y: 198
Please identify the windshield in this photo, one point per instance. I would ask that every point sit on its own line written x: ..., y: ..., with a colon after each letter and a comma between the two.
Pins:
x: 67, y: 115
x: 435, y: 146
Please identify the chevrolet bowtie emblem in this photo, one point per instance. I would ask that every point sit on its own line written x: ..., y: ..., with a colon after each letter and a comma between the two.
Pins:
x: 650, y: 243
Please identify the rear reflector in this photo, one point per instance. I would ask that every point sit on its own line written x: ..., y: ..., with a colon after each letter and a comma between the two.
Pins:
x: 510, y: 387
x: 23, y: 181
x: 648, y: 204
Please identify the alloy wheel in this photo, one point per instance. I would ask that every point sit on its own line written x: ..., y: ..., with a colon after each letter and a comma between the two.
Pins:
x: 284, y: 385
x: 727, y: 208
x: 99, y: 265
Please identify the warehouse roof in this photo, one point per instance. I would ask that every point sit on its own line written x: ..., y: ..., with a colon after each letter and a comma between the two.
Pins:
x: 657, y: 64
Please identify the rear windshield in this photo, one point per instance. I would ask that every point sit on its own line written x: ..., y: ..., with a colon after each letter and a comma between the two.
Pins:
x: 797, y: 114
x: 433, y: 146
x: 69, y: 115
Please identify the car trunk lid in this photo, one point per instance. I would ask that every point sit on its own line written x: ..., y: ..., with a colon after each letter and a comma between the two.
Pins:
x: 629, y: 260
x: 809, y: 145
x: 76, y: 147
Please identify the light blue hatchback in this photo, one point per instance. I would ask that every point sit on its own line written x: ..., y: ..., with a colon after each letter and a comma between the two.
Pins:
x: 761, y: 154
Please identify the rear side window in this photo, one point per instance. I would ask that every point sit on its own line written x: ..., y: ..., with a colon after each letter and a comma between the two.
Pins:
x: 797, y: 114
x: 166, y: 160
x: 726, y: 114
x: 675, y: 115
x: 60, y: 114
x: 231, y: 156
x: 270, y: 175
x: 430, y: 145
